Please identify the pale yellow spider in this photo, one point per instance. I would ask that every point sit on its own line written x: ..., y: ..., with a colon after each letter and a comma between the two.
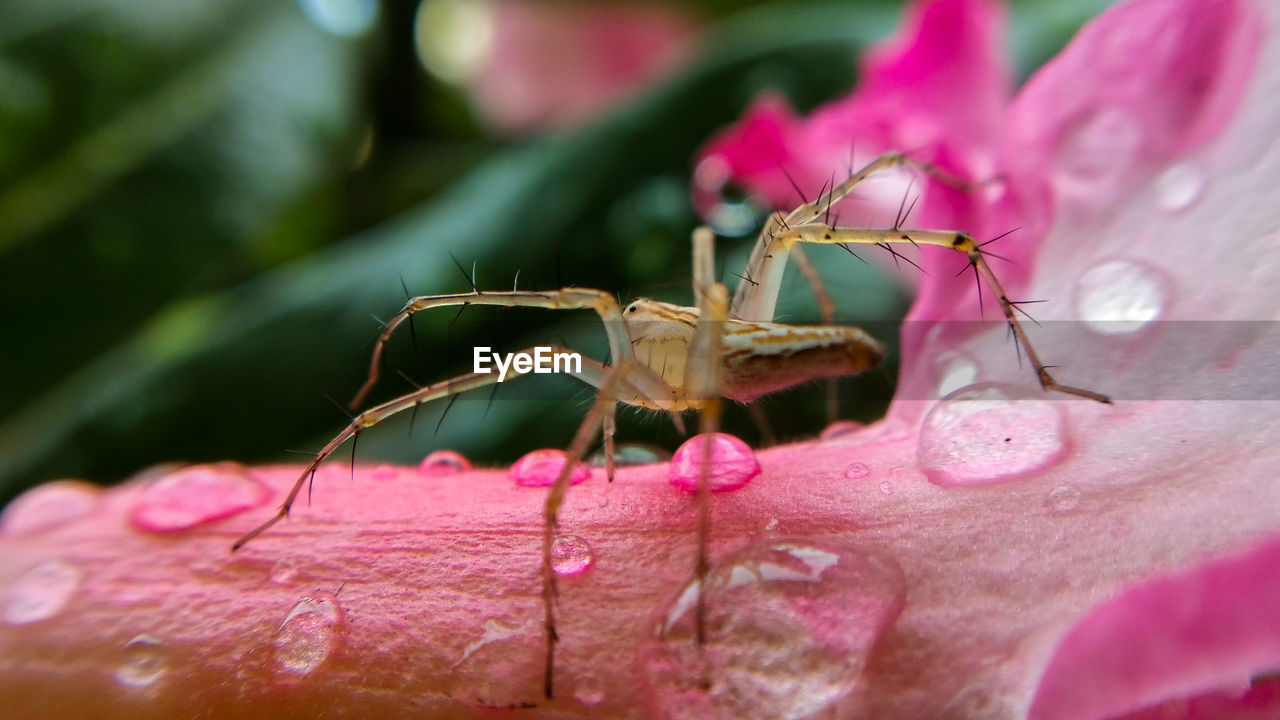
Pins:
x: 672, y: 358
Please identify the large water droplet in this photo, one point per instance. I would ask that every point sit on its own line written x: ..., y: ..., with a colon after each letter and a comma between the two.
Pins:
x: 540, y: 468
x: 443, y: 462
x: 308, y: 635
x: 570, y: 555
x: 1120, y: 296
x: 1096, y: 153
x: 986, y: 433
x: 194, y: 495
x: 632, y: 454
x: 732, y: 463
x: 496, y: 666
x: 790, y: 627
x: 839, y: 429
x: 41, y: 592
x: 49, y: 505
x: 727, y: 210
x: 1179, y: 186
x: 146, y: 659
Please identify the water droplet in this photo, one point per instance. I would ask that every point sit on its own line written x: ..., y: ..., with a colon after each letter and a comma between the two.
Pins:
x: 145, y: 661
x: 840, y: 428
x: 732, y: 464
x: 886, y: 487
x: 496, y: 665
x: 771, y: 525
x: 443, y: 462
x: 1120, y: 296
x: 1096, y: 153
x: 986, y: 433
x: 790, y: 627
x: 588, y: 689
x: 632, y: 454
x: 1179, y: 186
x: 308, y: 635
x: 726, y: 208
x: 570, y: 555
x: 344, y: 18
x: 194, y: 495
x: 41, y: 592
x: 285, y: 570
x: 540, y: 468
x: 955, y: 371
x: 1062, y: 500
x: 856, y: 471
x: 49, y: 505
x: 384, y: 472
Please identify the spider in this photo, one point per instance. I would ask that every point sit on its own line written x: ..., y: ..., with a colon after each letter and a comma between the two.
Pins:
x: 672, y: 358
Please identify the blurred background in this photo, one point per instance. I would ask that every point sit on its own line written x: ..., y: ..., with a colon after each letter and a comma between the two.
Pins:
x: 205, y: 207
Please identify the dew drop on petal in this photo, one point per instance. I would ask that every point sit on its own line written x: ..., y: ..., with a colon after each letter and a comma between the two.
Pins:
x: 496, y: 665
x: 791, y: 625
x: 146, y: 659
x: 196, y: 494
x: 308, y: 635
x: 47, y: 506
x: 443, y: 462
x: 1062, y: 500
x: 570, y: 555
x: 988, y: 433
x: 41, y: 592
x: 727, y: 210
x: 840, y: 428
x: 540, y: 468
x: 856, y: 471
x: 732, y: 464
x: 384, y: 472
x: 1179, y: 186
x: 631, y: 454
x: 1096, y: 153
x: 285, y: 570
x: 886, y: 487
x: 588, y: 689
x: 1120, y: 296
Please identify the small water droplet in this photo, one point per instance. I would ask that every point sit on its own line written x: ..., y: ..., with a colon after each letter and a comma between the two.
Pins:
x: 886, y: 487
x: 987, y: 433
x: 1096, y: 153
x: 443, y: 462
x: 791, y: 625
x: 384, y: 472
x: 308, y: 635
x: 1120, y: 296
x: 840, y: 428
x: 570, y: 555
x: 49, y: 505
x: 631, y: 455
x: 146, y: 659
x: 285, y: 570
x: 540, y: 468
x: 194, y: 495
x: 1179, y: 186
x: 732, y: 464
x: 856, y: 471
x: 41, y: 592
x: 955, y: 371
x: 588, y: 689
x: 1062, y: 500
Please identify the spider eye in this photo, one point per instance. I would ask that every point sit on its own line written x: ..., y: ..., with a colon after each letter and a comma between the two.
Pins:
x: 633, y: 308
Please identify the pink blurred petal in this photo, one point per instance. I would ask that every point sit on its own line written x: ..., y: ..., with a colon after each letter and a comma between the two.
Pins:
x: 556, y: 64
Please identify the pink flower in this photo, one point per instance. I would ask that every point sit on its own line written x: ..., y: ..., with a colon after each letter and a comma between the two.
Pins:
x: 1013, y: 555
